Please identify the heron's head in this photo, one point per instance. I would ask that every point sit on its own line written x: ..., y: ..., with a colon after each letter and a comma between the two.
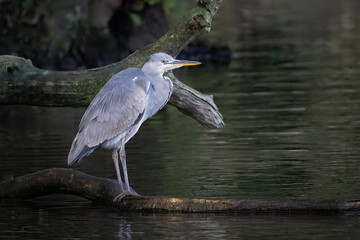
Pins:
x: 158, y: 63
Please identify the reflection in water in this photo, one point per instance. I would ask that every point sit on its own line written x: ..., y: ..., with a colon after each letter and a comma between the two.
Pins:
x: 78, y: 219
x: 124, y: 230
x: 290, y: 101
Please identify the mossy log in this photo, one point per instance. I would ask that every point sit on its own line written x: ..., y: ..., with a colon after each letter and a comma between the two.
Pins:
x: 23, y: 83
x: 69, y: 181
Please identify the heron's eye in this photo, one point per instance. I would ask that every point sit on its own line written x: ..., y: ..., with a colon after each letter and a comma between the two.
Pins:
x: 163, y: 61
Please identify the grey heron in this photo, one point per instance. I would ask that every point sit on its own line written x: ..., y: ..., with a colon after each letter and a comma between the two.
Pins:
x: 116, y: 113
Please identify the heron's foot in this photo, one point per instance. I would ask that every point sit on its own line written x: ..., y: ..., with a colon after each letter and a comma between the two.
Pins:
x: 119, y: 197
x: 133, y: 193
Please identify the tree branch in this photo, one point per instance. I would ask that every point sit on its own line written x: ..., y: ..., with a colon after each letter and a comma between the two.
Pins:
x: 23, y: 83
x: 69, y: 181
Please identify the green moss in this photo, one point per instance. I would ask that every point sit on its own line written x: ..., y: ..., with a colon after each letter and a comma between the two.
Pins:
x: 88, y: 88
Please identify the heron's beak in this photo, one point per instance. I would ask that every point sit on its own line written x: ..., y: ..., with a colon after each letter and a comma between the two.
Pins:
x: 180, y: 63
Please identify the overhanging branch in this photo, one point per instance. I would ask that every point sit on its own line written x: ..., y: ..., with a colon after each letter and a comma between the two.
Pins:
x: 23, y: 83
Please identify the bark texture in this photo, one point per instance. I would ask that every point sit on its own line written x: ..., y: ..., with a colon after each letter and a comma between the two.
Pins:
x: 69, y: 181
x: 23, y: 83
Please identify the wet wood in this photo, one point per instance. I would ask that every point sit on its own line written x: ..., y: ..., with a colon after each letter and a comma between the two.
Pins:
x: 69, y: 181
x: 23, y: 83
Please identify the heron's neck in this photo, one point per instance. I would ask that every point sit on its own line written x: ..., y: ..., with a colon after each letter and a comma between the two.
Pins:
x: 160, y: 82
x: 160, y: 93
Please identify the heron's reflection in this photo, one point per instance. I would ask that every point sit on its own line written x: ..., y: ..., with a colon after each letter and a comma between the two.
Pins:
x: 125, y: 231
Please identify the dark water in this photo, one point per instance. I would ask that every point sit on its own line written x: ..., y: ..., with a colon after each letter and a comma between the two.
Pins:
x: 290, y: 98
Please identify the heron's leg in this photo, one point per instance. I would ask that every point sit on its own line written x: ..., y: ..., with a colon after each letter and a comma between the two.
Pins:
x: 123, y: 163
x: 115, y: 157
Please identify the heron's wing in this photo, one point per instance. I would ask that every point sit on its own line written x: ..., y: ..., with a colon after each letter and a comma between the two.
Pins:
x: 117, y: 106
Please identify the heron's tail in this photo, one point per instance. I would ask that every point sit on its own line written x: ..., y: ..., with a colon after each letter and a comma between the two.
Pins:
x: 78, y: 150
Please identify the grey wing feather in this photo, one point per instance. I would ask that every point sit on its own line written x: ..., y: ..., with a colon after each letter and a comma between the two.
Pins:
x: 114, y: 109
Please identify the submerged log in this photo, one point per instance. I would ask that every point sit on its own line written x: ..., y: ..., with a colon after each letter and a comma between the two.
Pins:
x: 69, y: 181
x: 23, y: 83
